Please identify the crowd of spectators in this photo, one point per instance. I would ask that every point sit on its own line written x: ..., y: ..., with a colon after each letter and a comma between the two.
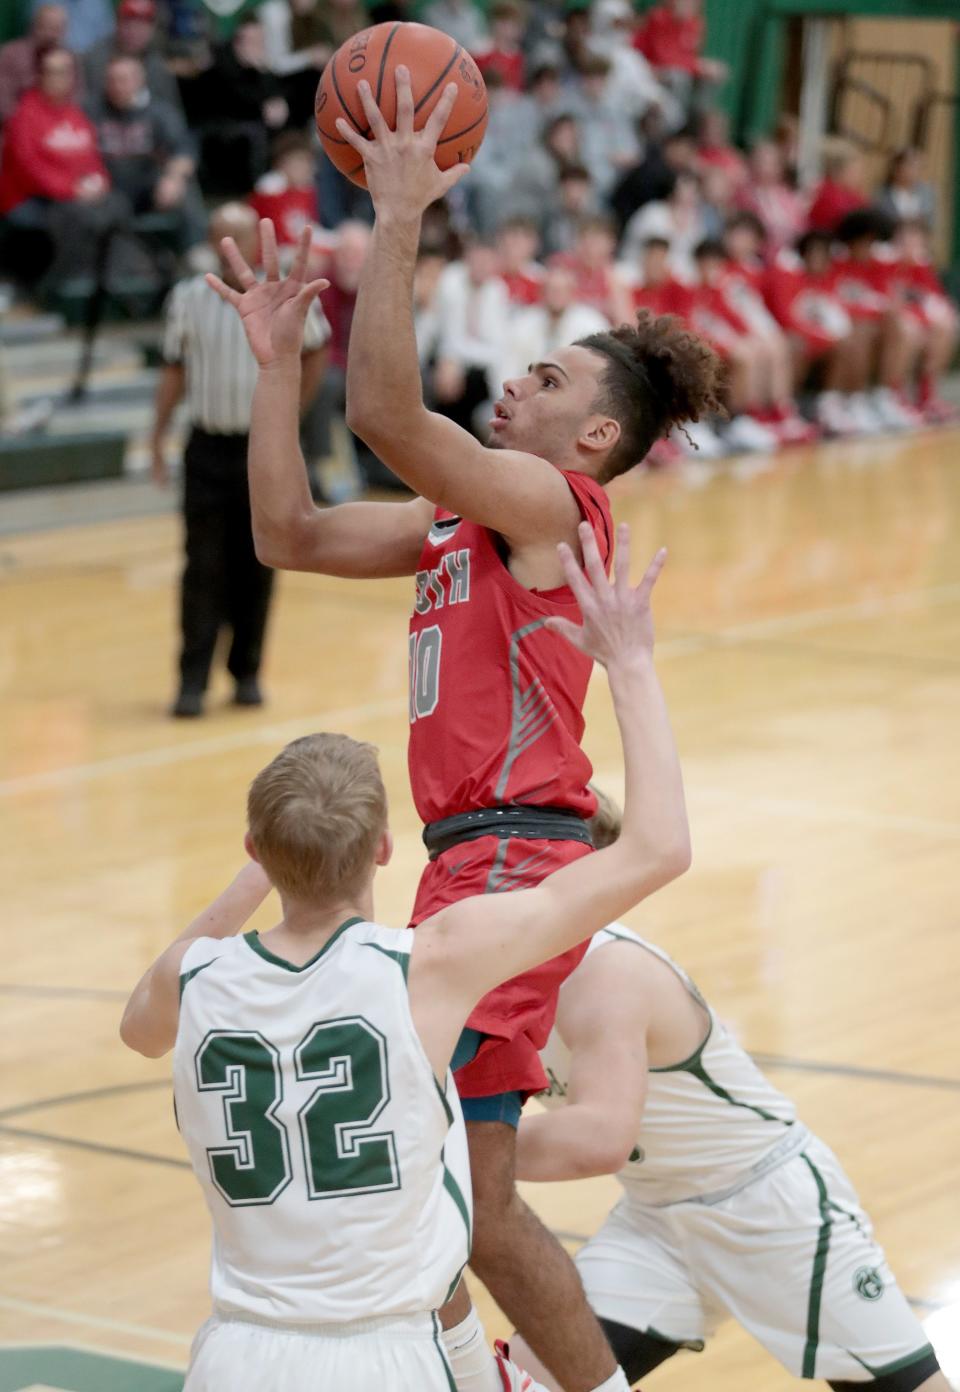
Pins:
x: 607, y: 183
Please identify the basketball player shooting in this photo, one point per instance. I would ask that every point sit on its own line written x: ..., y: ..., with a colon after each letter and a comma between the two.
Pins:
x: 312, y: 1062
x: 496, y: 697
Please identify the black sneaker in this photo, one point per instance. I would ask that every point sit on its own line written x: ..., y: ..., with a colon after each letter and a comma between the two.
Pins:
x: 248, y: 692
x: 188, y: 705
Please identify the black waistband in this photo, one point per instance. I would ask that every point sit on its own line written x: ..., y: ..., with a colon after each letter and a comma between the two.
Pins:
x: 527, y: 823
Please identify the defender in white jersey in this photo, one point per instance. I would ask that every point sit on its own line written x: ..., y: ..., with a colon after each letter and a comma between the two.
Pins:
x: 311, y: 1064
x: 731, y: 1208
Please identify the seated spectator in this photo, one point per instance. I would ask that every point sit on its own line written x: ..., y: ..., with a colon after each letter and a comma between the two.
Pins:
x: 679, y: 218
x: 503, y: 52
x: 633, y: 84
x: 714, y: 150
x: 462, y: 20
x: 767, y: 193
x: 670, y: 37
x: 296, y: 36
x: 743, y: 283
x: 518, y: 241
x: 905, y: 193
x: 473, y: 310
x: 147, y: 150
x: 750, y: 380
x: 841, y: 191
x: 135, y: 37
x: 599, y: 282
x: 88, y: 21
x: 52, y: 179
x: 652, y: 180
x: 237, y: 103
x: 608, y: 140
x: 889, y: 341
x: 559, y: 320
x: 575, y: 200
x: 286, y: 193
x: 49, y: 152
x: 801, y: 295
x: 654, y: 286
x: 716, y: 200
x: 535, y: 174
x: 536, y: 108
x: 492, y: 174
x: 19, y: 57
x: 918, y: 288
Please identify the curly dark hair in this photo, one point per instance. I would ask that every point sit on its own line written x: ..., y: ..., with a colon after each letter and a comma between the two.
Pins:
x: 658, y: 375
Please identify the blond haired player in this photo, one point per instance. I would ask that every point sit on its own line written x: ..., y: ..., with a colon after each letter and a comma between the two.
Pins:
x: 311, y: 1064
x: 731, y: 1208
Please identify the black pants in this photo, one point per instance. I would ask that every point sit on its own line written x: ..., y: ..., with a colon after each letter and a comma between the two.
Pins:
x: 223, y: 582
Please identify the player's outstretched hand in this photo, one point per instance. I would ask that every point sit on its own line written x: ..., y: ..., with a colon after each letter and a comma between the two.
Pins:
x: 273, y: 311
x: 617, y: 627
x: 402, y: 175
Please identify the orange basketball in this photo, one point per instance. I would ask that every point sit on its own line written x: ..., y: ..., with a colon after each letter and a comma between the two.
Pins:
x: 434, y: 61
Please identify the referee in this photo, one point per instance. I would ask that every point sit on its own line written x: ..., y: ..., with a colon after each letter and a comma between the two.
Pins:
x: 206, y: 357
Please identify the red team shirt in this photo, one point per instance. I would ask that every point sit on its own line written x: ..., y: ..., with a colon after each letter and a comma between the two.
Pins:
x: 496, y: 712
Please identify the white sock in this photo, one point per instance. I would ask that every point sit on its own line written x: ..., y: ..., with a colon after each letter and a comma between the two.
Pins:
x: 471, y: 1360
x: 616, y: 1382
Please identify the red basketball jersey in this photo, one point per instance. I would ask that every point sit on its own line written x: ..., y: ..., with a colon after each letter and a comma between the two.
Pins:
x: 496, y: 699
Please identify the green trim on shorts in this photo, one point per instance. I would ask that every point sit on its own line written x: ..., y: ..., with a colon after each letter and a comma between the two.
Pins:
x: 898, y: 1363
x: 819, y: 1271
x: 440, y: 1352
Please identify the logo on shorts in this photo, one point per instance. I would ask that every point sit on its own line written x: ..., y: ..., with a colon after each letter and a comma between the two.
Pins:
x: 868, y: 1283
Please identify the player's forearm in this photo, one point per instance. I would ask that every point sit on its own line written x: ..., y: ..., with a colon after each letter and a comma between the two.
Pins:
x: 231, y: 909
x: 384, y: 392
x: 573, y: 1142
x: 280, y: 502
x: 149, y: 1023
x: 655, y: 833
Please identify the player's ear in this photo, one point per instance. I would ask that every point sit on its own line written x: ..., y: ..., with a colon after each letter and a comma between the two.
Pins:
x: 600, y: 433
x: 384, y: 848
x: 250, y: 849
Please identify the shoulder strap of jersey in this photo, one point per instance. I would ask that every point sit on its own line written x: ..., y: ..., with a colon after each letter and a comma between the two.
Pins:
x: 619, y: 932
x: 594, y: 507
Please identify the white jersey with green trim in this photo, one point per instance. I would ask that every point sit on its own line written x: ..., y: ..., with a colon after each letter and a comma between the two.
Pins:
x: 334, y: 1166
x: 710, y: 1124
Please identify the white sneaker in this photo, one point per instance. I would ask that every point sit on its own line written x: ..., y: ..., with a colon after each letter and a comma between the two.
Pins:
x: 864, y: 417
x: 514, y: 1378
x: 750, y: 436
x: 834, y: 416
x: 893, y: 413
x: 696, y: 440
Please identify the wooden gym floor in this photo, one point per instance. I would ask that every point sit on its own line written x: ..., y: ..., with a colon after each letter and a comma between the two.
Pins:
x: 809, y: 624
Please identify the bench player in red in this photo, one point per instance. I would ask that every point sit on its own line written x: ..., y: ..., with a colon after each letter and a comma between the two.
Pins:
x: 496, y: 697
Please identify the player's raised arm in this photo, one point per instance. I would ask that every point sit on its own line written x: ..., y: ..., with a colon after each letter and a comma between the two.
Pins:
x: 149, y: 1024
x: 356, y: 540
x: 519, y: 495
x: 471, y: 946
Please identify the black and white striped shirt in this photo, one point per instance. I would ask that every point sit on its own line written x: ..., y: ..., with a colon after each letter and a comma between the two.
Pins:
x: 206, y: 335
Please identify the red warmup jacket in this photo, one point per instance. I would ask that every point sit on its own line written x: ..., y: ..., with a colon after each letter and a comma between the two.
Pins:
x: 669, y: 297
x: 668, y: 41
x: 47, y: 151
x: 831, y: 204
